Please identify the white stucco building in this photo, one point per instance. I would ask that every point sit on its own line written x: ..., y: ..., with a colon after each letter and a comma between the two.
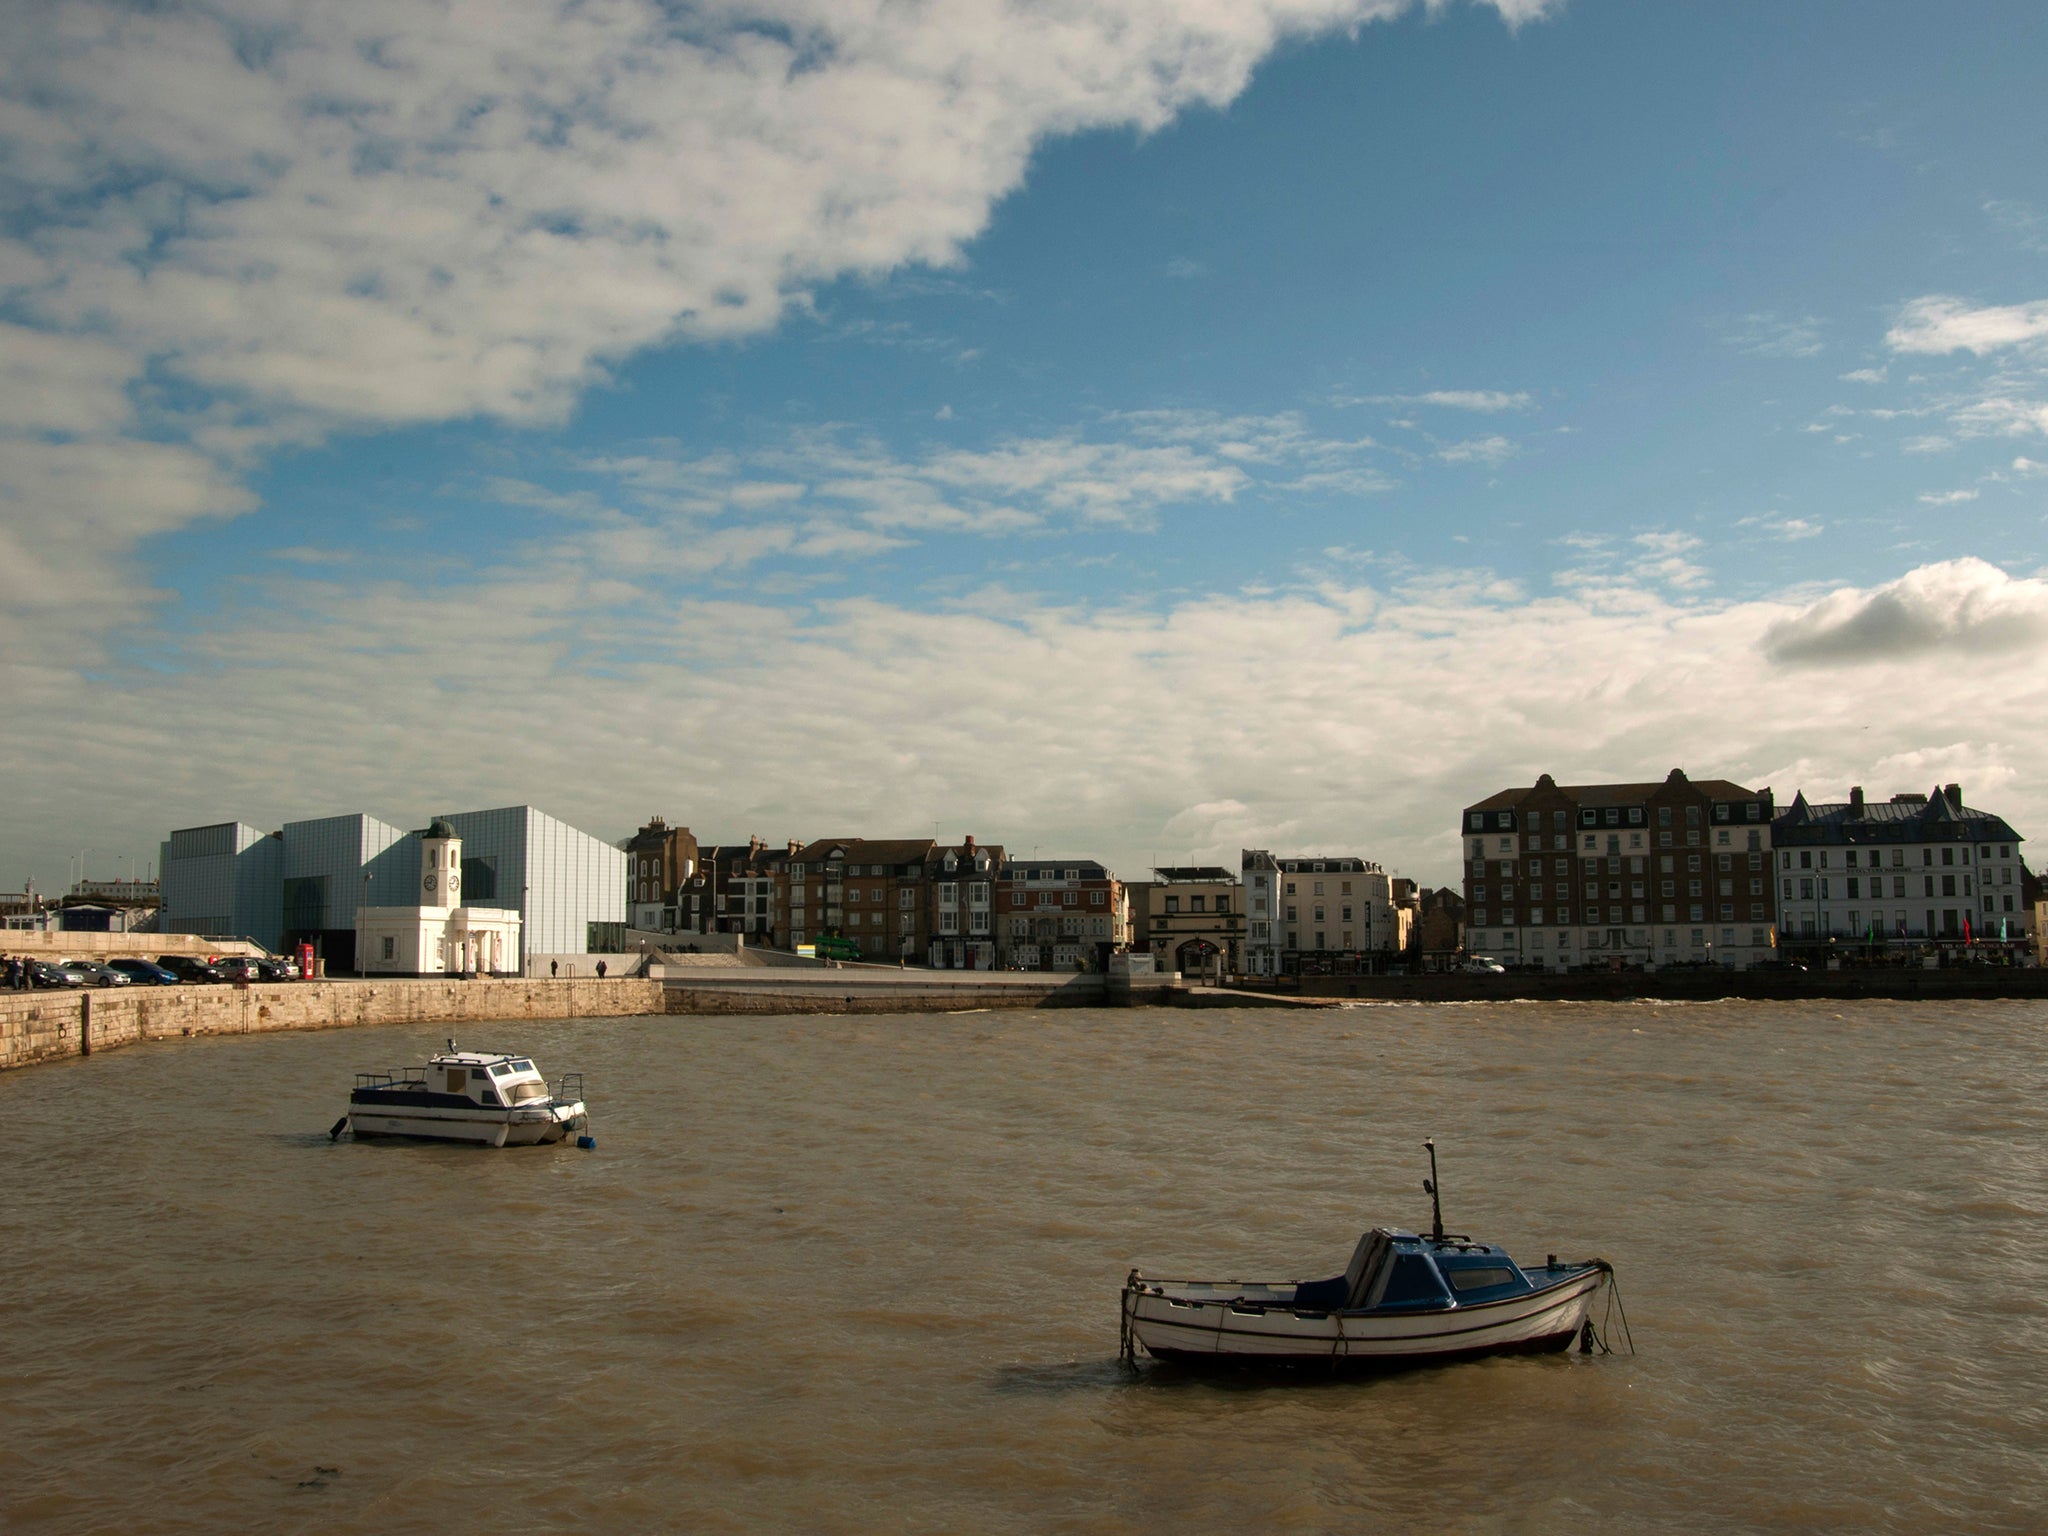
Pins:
x: 439, y: 936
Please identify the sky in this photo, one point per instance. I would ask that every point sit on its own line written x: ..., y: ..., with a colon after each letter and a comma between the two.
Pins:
x: 1133, y: 430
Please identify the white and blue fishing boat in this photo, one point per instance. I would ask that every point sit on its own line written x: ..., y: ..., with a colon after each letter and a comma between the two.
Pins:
x: 489, y: 1097
x: 1403, y: 1300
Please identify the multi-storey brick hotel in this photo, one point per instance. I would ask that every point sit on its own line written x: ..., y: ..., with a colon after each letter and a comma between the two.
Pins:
x: 1573, y: 874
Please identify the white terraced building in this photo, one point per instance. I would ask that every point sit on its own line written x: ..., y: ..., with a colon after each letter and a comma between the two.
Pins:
x: 1912, y: 871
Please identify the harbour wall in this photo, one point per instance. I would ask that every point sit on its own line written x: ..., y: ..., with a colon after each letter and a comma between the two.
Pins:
x: 47, y: 1025
x: 1901, y: 983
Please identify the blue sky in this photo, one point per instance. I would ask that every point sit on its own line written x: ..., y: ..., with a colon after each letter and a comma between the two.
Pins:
x: 1121, y: 429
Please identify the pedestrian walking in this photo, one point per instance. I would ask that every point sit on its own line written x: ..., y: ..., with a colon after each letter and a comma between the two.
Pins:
x: 554, y: 967
x: 600, y: 970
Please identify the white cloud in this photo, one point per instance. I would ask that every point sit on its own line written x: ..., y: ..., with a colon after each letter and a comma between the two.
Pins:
x: 1483, y: 400
x: 1016, y: 719
x: 1484, y: 450
x: 1938, y: 323
x: 1863, y: 376
x: 1126, y: 473
x: 354, y: 216
x: 1958, y: 606
x: 2026, y: 466
x: 1946, y: 498
x: 1794, y: 528
x: 1771, y: 335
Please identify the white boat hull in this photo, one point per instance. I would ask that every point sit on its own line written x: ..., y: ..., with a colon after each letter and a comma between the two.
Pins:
x: 521, y: 1127
x: 1178, y: 1322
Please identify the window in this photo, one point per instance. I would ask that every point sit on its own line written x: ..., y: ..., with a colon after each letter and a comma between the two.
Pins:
x: 390, y: 948
x: 1100, y: 898
x: 904, y: 898
x: 1173, y: 903
x: 1195, y: 903
x: 1222, y: 903
x: 1070, y: 898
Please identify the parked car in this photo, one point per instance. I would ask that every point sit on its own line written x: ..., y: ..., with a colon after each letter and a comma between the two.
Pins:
x: 44, y: 973
x: 147, y: 972
x: 1482, y: 965
x: 98, y: 975
x: 239, y: 967
x: 279, y: 970
x: 187, y: 969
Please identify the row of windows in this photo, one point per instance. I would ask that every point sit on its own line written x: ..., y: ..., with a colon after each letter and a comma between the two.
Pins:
x: 1873, y: 858
x: 1812, y: 888
x: 1699, y: 938
x: 1728, y: 912
x: 1612, y: 816
x: 1197, y: 904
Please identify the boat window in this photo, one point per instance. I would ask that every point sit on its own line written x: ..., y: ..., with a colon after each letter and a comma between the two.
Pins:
x: 1414, y: 1279
x: 479, y: 1075
x: 501, y: 1069
x: 521, y: 1092
x: 522, y: 1066
x: 1479, y: 1278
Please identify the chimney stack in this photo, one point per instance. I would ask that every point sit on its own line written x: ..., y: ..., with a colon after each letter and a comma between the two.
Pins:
x: 969, y: 843
x: 1856, y: 799
x: 1955, y: 795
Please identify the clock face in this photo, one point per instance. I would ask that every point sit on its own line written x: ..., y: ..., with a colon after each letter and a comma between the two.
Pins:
x: 453, y: 882
x: 430, y: 882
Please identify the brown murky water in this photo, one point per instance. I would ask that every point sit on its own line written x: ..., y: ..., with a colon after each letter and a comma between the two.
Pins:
x: 860, y: 1275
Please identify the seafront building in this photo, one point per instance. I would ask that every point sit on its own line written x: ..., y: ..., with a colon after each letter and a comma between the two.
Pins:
x: 1196, y: 923
x: 306, y: 882
x: 1621, y: 874
x: 659, y: 858
x: 1880, y: 876
x: 1059, y: 915
x: 903, y: 899
x: 1325, y: 915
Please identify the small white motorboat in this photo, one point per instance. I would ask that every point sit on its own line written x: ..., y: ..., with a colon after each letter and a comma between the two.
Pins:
x: 1403, y: 1300
x: 489, y: 1097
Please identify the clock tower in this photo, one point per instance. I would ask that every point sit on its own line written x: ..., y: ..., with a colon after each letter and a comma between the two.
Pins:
x: 440, y: 866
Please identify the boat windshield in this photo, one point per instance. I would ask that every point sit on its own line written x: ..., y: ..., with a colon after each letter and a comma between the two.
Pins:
x: 519, y: 1093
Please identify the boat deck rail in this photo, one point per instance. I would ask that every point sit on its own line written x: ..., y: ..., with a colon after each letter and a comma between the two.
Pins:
x: 405, y: 1077
x: 568, y: 1088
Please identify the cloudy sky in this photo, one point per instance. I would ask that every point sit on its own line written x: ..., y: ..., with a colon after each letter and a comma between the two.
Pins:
x: 1133, y: 428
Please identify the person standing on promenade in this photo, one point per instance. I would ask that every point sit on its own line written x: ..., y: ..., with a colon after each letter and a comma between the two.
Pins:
x: 554, y: 968
x: 600, y: 970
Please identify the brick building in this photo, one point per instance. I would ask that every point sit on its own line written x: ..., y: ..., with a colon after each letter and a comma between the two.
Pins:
x: 1059, y: 915
x: 659, y: 859
x: 1658, y: 873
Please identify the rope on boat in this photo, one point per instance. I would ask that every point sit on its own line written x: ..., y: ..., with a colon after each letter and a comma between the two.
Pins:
x: 1601, y: 1338
x: 1127, y: 1346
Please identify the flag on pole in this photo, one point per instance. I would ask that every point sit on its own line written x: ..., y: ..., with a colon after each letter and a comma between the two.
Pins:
x: 1966, y: 929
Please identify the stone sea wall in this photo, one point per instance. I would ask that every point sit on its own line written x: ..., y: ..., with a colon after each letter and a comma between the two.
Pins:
x: 49, y: 1025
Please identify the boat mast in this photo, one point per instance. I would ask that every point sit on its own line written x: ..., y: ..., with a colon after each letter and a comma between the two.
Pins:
x: 1436, y: 1204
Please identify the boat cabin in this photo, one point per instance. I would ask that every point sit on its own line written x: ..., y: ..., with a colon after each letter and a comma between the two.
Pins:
x: 493, y: 1079
x: 1393, y: 1270
x: 487, y: 1079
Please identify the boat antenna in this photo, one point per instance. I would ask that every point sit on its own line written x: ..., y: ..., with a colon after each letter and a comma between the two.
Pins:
x: 1436, y: 1204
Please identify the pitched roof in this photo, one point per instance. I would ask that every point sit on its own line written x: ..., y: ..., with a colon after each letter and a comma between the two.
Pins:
x: 1602, y: 795
x: 1937, y: 818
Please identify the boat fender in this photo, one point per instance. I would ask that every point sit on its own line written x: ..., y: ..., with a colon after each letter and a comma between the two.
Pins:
x: 334, y: 1131
x: 587, y: 1143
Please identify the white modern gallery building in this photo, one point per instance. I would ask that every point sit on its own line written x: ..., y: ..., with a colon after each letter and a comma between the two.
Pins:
x: 307, y: 881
